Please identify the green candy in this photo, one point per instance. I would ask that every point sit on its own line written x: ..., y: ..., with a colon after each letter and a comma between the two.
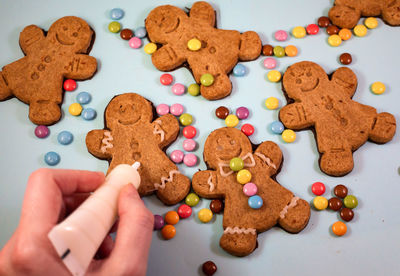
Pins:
x: 114, y: 27
x: 236, y: 164
x: 194, y: 89
x: 192, y: 199
x: 207, y: 79
x: 279, y: 51
x: 350, y: 201
x: 185, y: 119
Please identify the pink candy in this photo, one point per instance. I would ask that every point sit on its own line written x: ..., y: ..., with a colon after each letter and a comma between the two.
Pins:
x: 135, y: 42
x: 176, y: 156
x: 281, y: 35
x: 270, y: 63
x: 178, y: 89
x: 162, y: 109
x: 189, y: 144
x: 42, y: 131
x: 190, y: 160
x: 250, y: 189
x: 176, y: 109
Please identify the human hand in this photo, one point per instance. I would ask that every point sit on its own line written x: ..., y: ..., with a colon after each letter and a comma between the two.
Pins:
x: 50, y: 196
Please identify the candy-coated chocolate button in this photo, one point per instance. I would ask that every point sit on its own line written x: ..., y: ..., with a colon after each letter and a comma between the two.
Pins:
x: 335, y: 204
x: 190, y: 160
x: 69, y: 85
x: 239, y: 70
x: 274, y: 76
x: 172, y: 217
x: 222, y: 112
x: 194, y: 44
x: 88, y: 114
x: 277, y: 127
x: 378, y: 88
x: 158, y: 222
x: 242, y: 113
x: 346, y: 214
x: 231, y: 120
x: 247, y: 129
x: 168, y: 232
x: 350, y: 201
x: 269, y: 63
x: 340, y: 191
x: 216, y: 206
x: 192, y: 199
x: 189, y: 145
x: 65, y: 137
x: 205, y: 215
x: 371, y: 22
x: 75, y: 109
x: 345, y: 59
x: 209, y: 268
x: 288, y: 136
x: 320, y: 203
x: 272, y: 103
x: 176, y: 109
x: 318, y: 188
x: 83, y: 98
x: 126, y: 34
x: 178, y: 89
x: 345, y: 34
x: 243, y: 176
x: 135, y: 42
x: 185, y: 119
x: 250, y: 189
x: 332, y: 29
x: 114, y: 27
x: 194, y: 89
x: 207, y: 79
x: 334, y: 40
x: 141, y: 32
x: 279, y: 51
x: 236, y: 164
x: 184, y: 211
x: 339, y: 228
x: 267, y: 50
x: 312, y: 29
x: 281, y: 35
x: 291, y: 51
x: 299, y: 32
x: 162, y: 109
x: 166, y: 79
x: 360, y: 30
x: 255, y: 202
x: 52, y: 158
x: 324, y: 21
x: 189, y: 132
x: 42, y: 131
x: 150, y: 48
x: 116, y: 14
x: 177, y: 156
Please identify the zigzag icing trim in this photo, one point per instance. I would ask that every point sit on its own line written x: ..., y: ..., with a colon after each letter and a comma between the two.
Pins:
x: 106, y: 142
x: 292, y: 204
x: 164, y: 180
x: 266, y: 160
x: 210, y: 183
x: 157, y: 130
x: 239, y: 230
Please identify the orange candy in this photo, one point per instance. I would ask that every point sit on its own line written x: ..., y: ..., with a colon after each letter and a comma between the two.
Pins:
x: 172, y: 217
x: 345, y: 34
x: 168, y: 232
x: 339, y: 228
x: 291, y: 51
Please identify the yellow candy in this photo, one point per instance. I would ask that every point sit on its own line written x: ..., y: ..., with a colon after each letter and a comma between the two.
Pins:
x: 150, y: 48
x: 291, y: 51
x: 288, y: 136
x: 345, y: 34
x: 360, y: 30
x: 243, y: 176
x: 320, y: 203
x: 205, y: 215
x: 334, y: 40
x: 272, y: 103
x: 75, y: 109
x: 299, y: 32
x: 378, y: 88
x: 231, y: 120
x: 274, y: 76
x: 371, y: 22
x: 194, y: 44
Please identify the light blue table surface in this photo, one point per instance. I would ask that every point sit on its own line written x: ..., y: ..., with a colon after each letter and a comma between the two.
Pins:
x: 371, y: 246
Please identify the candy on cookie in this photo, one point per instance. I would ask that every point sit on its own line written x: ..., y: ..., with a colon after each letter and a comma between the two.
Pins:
x: 131, y: 135
x: 192, y: 38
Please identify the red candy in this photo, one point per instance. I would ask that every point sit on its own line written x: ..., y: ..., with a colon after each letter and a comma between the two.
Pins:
x: 312, y: 29
x: 189, y: 132
x: 318, y: 188
x: 184, y: 211
x: 247, y: 129
x: 69, y: 85
x: 166, y: 79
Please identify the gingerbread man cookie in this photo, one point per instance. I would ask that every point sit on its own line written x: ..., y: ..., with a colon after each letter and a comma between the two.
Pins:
x: 341, y: 124
x: 131, y: 135
x: 37, y: 78
x: 347, y: 13
x: 214, y: 52
x: 241, y: 222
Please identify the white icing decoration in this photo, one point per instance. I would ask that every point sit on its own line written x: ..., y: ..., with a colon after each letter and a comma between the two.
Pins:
x: 106, y: 142
x: 221, y: 169
x: 164, y: 179
x: 158, y: 130
x: 239, y: 230
x: 292, y: 204
x: 266, y: 160
x: 252, y: 161
x: 210, y: 183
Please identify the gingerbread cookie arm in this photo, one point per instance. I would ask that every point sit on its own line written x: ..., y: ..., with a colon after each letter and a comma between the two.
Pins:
x: 295, y: 116
x: 295, y: 215
x: 29, y: 36
x: 270, y: 156
x: 204, y: 12
x: 80, y: 67
x: 167, y: 59
x: 99, y: 143
x: 345, y: 80
x: 5, y: 91
x: 166, y: 128
x: 250, y: 46
x: 205, y: 184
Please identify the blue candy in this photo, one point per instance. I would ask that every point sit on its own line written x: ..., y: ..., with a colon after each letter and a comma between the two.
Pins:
x: 277, y: 127
x: 88, y: 114
x: 239, y: 70
x: 65, y: 137
x: 255, y: 202
x: 116, y: 14
x: 83, y: 98
x: 140, y: 32
x: 52, y: 158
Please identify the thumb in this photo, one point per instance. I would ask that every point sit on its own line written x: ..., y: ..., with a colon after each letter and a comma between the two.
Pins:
x: 134, y: 233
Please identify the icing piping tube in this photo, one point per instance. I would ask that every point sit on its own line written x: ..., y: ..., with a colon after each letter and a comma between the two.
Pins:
x: 78, y: 237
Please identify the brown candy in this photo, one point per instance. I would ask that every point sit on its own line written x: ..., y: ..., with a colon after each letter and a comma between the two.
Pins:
x: 345, y: 59
x: 222, y: 112
x: 346, y: 214
x: 335, y: 204
x: 268, y: 50
x: 216, y: 206
x: 126, y: 34
x: 340, y: 191
x: 332, y: 29
x: 324, y: 21
x: 209, y: 268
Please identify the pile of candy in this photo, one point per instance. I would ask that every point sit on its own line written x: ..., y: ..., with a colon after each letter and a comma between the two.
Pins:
x: 232, y: 120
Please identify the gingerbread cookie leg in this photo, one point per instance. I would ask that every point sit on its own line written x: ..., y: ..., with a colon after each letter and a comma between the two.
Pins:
x: 391, y: 13
x: 344, y: 16
x: 44, y: 112
x: 294, y: 216
x: 5, y: 91
x: 220, y: 88
x: 383, y: 128
x: 238, y: 241
x: 250, y: 46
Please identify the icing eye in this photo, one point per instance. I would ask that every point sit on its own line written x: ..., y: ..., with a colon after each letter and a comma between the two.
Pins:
x: 75, y: 34
x: 65, y: 28
x: 298, y: 81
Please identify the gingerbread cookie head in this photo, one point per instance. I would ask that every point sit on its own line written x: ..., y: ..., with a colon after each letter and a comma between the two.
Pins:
x: 127, y: 110
x: 71, y: 32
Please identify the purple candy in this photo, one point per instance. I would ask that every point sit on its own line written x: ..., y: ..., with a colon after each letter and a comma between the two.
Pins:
x: 42, y: 131
x: 242, y: 112
x: 158, y: 222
